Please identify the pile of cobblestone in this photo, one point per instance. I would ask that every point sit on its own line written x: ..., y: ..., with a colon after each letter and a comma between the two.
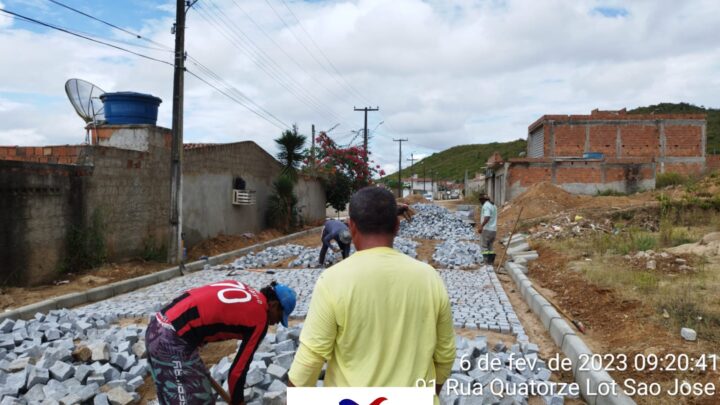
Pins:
x: 435, y: 222
x: 456, y: 254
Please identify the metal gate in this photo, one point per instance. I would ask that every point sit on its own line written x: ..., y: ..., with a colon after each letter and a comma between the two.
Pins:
x: 536, y: 144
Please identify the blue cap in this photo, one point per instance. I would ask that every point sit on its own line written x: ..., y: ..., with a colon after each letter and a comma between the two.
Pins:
x: 287, y: 298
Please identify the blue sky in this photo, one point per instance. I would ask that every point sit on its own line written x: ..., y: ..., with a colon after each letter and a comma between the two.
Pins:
x: 444, y: 72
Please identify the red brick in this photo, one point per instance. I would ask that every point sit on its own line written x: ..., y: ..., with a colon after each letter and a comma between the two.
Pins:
x: 569, y: 140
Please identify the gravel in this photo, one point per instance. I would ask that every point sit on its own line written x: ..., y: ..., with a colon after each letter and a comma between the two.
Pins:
x: 456, y: 254
x: 435, y: 222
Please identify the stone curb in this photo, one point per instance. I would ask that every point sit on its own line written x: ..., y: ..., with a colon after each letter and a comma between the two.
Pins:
x: 125, y: 286
x: 566, y: 339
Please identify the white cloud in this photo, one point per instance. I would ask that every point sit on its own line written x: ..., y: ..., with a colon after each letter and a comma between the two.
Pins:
x: 443, y: 72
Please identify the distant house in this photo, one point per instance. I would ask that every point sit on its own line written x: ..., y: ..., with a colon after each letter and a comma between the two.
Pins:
x: 606, y: 150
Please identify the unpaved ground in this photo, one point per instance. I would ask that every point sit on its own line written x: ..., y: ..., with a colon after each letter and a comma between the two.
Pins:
x: 13, y: 297
x: 620, y: 327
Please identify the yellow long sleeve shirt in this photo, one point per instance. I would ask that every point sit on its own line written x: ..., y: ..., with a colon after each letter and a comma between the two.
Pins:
x: 380, y: 319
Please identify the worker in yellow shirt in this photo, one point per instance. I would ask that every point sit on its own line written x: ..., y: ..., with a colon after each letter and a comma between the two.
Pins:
x: 379, y: 318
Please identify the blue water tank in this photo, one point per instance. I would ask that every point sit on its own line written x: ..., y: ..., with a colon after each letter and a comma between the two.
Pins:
x: 593, y: 155
x: 127, y: 107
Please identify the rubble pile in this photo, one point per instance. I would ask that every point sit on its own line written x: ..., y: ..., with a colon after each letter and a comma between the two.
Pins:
x: 455, y: 254
x: 64, y: 357
x: 659, y: 261
x: 406, y: 246
x: 435, y: 222
x: 566, y: 226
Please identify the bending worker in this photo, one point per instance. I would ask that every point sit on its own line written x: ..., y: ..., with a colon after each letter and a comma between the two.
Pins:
x: 337, y: 231
x: 221, y: 311
x: 379, y: 318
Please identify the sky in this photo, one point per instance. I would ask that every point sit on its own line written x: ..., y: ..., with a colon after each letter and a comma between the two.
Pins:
x: 442, y: 72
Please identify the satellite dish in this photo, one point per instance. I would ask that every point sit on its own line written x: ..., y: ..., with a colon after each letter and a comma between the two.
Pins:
x: 85, y: 98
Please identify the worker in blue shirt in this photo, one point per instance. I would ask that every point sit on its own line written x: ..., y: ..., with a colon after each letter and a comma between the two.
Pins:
x: 338, y: 231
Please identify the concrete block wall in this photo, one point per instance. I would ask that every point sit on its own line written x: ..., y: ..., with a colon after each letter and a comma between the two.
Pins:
x: 38, y: 204
x: 130, y: 191
x: 209, y: 171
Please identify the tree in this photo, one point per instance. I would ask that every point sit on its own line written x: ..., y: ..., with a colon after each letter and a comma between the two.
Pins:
x: 291, y: 153
x: 281, y: 203
x: 343, y: 170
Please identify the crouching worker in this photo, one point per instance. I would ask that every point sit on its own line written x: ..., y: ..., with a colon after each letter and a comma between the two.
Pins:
x: 339, y: 232
x: 221, y: 311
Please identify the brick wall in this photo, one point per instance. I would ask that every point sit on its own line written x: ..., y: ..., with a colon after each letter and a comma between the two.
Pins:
x: 569, y: 140
x: 65, y: 154
x: 130, y: 190
x: 39, y: 203
x: 683, y: 141
x: 603, y: 139
x: 639, y: 141
x: 713, y: 162
x: 578, y: 176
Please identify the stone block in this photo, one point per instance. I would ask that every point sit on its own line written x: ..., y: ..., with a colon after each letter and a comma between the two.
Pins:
x: 100, y: 351
x: 35, y: 393
x: 138, y: 350
x: 118, y: 396
x: 19, y: 364
x: 55, y: 390
x: 7, y: 325
x: 101, y: 399
x: 688, y: 334
x: 277, y: 372
x: 38, y: 376
x: 284, y: 360
x: 82, y: 354
x: 61, y: 371
x: 284, y: 346
x: 254, y: 376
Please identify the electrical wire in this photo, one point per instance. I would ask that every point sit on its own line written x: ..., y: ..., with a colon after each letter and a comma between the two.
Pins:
x: 332, y: 65
x: 287, y: 55
x: 67, y: 31
x: 134, y: 34
x: 283, y: 126
x: 216, y: 21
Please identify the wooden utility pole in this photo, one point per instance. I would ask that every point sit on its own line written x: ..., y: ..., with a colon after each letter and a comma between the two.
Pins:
x: 175, y: 252
x: 400, y: 141
x: 424, y: 182
x: 412, y: 173
x: 365, y: 136
x: 312, y: 150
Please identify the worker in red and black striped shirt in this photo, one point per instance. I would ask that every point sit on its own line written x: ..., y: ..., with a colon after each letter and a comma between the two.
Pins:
x: 219, y: 311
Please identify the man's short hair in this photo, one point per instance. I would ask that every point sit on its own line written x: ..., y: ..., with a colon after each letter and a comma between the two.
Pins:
x: 374, y: 210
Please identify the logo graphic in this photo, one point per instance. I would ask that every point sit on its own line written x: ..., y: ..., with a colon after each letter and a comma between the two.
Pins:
x: 377, y: 401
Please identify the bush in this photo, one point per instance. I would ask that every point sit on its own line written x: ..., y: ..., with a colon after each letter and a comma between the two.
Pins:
x: 281, y: 204
x: 669, y: 179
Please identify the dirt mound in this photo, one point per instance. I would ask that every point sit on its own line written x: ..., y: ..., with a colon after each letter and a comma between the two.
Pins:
x: 541, y: 200
x: 413, y: 199
x: 227, y: 243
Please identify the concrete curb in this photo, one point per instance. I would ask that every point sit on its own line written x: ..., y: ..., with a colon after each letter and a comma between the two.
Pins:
x: 125, y: 286
x: 565, y: 338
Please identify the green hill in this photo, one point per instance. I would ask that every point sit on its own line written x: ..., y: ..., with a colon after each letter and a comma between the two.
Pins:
x: 713, y: 119
x: 451, y: 164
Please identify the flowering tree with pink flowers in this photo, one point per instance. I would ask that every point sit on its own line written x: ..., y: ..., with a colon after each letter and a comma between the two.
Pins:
x: 343, y: 170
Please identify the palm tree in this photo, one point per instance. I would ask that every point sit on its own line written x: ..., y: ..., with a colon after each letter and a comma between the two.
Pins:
x: 291, y: 151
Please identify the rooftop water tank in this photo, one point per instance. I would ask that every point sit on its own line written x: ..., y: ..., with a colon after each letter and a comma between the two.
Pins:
x: 127, y: 107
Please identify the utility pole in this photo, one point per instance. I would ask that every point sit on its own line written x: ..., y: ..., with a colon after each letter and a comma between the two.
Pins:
x: 175, y: 253
x: 400, y: 141
x: 412, y: 172
x: 365, y: 137
x: 432, y: 182
x: 424, y: 182
x: 312, y: 150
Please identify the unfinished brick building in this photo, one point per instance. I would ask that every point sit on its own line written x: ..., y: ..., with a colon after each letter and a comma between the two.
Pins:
x: 606, y: 150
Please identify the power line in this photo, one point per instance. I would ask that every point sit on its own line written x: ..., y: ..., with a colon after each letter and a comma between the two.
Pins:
x: 266, y: 64
x: 136, y: 35
x: 287, y: 55
x: 67, y: 31
x: 332, y: 65
x: 239, y: 102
